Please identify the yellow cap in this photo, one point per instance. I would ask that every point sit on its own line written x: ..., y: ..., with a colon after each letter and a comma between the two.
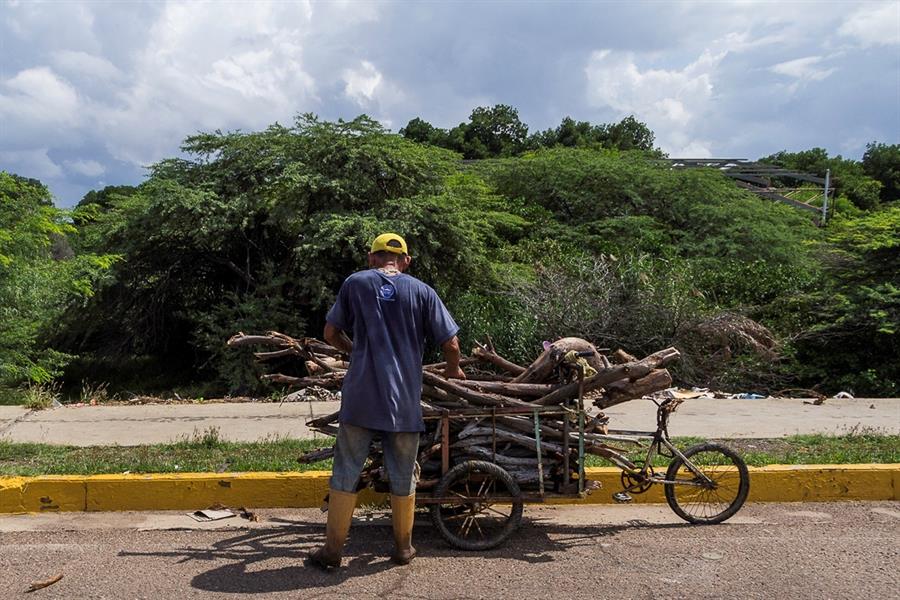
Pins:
x: 389, y: 242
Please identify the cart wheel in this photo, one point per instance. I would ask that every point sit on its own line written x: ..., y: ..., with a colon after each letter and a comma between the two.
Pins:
x: 470, y: 519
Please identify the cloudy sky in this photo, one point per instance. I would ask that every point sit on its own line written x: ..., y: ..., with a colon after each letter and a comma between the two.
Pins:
x: 91, y: 92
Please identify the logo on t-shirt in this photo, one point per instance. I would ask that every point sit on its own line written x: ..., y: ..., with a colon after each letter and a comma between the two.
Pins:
x: 386, y: 292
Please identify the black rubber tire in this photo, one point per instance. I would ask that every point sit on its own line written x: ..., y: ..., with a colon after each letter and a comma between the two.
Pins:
x: 440, y: 513
x: 705, y: 500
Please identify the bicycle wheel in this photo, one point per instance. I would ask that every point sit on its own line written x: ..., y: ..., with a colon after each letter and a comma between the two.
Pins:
x: 475, y: 521
x: 698, y: 501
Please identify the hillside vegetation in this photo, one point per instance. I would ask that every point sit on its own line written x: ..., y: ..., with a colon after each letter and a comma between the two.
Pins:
x: 577, y: 230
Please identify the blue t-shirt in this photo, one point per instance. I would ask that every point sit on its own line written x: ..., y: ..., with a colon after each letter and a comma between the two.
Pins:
x: 389, y: 317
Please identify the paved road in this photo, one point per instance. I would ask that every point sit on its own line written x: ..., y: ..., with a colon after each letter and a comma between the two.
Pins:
x: 815, y: 551
x: 702, y: 417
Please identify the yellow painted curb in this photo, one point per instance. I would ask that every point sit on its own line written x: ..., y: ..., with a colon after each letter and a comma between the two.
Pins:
x: 186, y: 491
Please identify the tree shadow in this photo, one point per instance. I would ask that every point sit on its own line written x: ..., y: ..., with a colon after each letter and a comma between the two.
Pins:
x: 366, y: 553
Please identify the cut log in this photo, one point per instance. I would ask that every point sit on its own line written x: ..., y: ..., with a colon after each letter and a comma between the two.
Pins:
x: 542, y: 368
x: 530, y: 390
x: 623, y: 390
x: 620, y: 357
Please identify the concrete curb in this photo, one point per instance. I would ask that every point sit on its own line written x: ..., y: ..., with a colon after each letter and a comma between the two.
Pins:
x: 190, y: 491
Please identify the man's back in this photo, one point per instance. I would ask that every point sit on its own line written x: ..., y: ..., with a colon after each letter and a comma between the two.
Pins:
x: 390, y: 317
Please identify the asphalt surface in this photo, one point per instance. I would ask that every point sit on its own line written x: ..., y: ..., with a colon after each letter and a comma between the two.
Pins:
x: 816, y: 551
x: 160, y: 423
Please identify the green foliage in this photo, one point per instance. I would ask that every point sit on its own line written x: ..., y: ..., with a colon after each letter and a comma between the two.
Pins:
x: 494, y: 132
x: 627, y: 134
x: 578, y: 230
x: 256, y: 231
x: 491, y: 132
x: 853, y: 339
x: 39, y: 279
x: 881, y: 162
x: 619, y: 201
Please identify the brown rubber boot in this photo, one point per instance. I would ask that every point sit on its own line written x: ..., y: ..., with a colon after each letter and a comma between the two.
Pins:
x: 340, y: 513
x: 403, y: 513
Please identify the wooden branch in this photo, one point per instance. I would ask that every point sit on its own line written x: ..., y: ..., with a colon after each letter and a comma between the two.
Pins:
x: 622, y: 391
x: 532, y: 390
x: 633, y: 370
x: 498, y: 361
x: 472, y: 396
x: 326, y: 380
x: 316, y: 455
x: 620, y: 357
x: 540, y: 369
x: 463, y: 362
x: 277, y: 353
x: 522, y: 440
x: 502, y: 459
x: 323, y: 421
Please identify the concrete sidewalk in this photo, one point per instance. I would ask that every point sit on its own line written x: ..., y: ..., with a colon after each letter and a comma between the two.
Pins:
x: 159, y: 423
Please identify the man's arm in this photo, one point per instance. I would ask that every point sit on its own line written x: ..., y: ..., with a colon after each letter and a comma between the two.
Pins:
x: 337, y: 338
x: 451, y: 357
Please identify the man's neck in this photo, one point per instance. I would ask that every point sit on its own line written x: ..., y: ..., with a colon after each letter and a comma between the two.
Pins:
x: 389, y: 269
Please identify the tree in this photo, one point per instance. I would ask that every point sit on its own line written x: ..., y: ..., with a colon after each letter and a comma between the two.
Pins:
x: 852, y: 341
x: 256, y: 231
x: 628, y: 134
x: 35, y: 286
x: 423, y: 132
x: 882, y: 163
x: 848, y: 176
x: 494, y: 131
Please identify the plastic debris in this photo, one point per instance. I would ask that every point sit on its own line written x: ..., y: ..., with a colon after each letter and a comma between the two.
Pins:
x: 211, y: 515
x: 843, y: 395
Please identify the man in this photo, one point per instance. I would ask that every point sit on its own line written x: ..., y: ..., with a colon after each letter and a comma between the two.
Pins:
x: 389, y: 315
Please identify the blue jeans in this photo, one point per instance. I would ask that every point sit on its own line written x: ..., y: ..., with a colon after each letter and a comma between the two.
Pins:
x: 352, y: 449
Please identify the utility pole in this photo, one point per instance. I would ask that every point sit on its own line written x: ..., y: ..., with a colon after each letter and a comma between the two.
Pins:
x: 825, y: 198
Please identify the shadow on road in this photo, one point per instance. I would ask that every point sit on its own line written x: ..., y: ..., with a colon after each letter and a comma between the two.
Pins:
x: 366, y: 553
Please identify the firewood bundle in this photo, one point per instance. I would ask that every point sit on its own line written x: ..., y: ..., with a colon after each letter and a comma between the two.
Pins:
x: 569, y: 371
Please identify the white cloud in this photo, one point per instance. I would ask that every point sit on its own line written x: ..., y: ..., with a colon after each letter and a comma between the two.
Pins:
x: 876, y: 24
x: 89, y: 168
x: 31, y: 163
x: 802, y: 68
x: 361, y: 83
x: 38, y: 95
x: 668, y: 100
x: 77, y: 62
x: 209, y: 66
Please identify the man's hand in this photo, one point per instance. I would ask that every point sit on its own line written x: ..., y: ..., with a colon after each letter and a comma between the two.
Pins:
x: 451, y: 357
x: 454, y: 373
x: 338, y: 339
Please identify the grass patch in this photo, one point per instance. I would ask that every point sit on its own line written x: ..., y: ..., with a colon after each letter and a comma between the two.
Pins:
x: 205, y: 452
x: 40, y: 396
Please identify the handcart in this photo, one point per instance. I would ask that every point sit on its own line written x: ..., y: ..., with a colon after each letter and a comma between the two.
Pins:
x: 478, y: 504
